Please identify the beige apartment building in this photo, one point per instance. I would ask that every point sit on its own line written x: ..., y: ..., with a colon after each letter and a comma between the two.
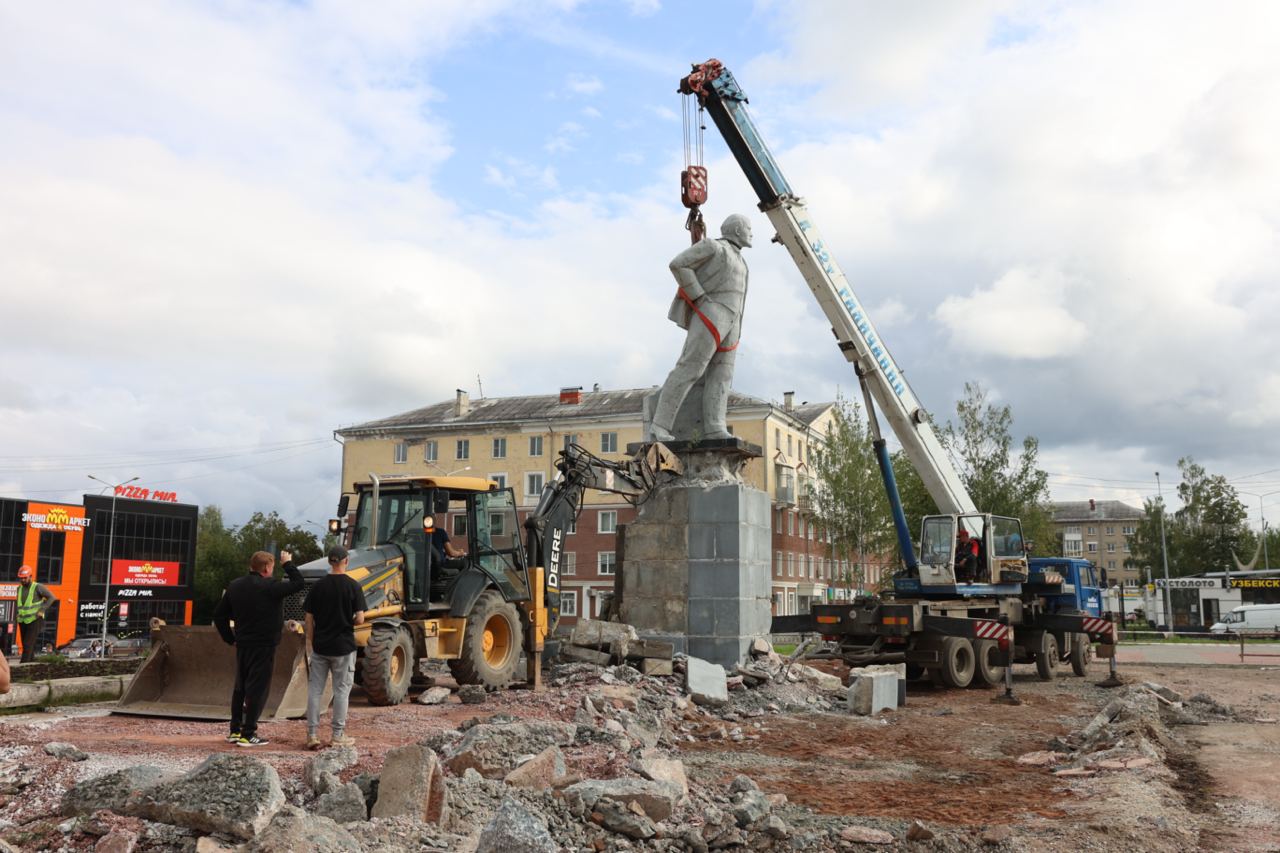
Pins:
x: 1099, y: 531
x: 515, y: 441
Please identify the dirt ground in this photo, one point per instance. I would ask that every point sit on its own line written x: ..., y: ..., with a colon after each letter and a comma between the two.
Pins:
x: 947, y: 759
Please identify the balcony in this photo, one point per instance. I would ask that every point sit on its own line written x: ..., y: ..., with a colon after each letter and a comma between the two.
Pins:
x: 808, y: 498
x: 784, y: 492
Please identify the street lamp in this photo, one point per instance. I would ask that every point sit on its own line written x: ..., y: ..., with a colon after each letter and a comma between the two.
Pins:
x: 1266, y: 560
x: 1164, y: 552
x: 449, y: 473
x: 111, y: 542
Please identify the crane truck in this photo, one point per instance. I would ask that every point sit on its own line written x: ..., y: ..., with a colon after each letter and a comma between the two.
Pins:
x: 478, y: 612
x: 957, y: 627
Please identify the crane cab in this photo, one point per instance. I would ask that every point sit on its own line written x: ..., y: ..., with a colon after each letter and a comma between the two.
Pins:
x: 997, y: 565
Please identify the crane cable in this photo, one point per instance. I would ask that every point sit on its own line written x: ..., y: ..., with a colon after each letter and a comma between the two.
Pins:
x: 693, y: 180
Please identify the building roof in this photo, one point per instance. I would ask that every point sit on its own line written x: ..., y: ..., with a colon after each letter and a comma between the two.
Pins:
x: 541, y: 408
x: 1093, y: 511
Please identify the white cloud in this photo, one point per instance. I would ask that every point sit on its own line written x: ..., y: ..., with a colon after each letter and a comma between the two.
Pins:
x: 584, y: 84
x: 591, y: 112
x: 1021, y: 316
x: 644, y: 8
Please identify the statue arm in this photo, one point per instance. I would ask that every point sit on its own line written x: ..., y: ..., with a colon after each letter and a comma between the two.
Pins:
x: 684, y: 267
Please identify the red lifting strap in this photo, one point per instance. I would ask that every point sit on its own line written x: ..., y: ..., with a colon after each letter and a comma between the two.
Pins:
x: 711, y: 327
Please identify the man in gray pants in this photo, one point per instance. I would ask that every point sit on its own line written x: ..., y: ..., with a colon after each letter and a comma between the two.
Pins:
x: 335, y: 605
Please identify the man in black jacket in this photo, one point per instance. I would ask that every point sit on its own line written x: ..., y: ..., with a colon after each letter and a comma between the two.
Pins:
x: 256, y: 604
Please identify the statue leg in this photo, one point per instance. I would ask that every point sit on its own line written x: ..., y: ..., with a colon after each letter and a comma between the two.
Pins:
x: 699, y: 347
x: 715, y: 394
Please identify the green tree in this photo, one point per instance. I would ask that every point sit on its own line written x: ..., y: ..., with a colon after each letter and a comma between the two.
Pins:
x: 1211, y: 524
x: 272, y: 533
x: 222, y: 552
x: 980, y: 442
x: 1144, y: 542
x: 848, y: 498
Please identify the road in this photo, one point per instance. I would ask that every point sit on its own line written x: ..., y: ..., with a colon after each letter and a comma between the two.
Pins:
x: 1198, y: 653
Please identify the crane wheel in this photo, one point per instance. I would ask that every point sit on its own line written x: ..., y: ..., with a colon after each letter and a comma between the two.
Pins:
x: 1047, y: 657
x: 491, y: 643
x: 388, y: 666
x: 988, y: 670
x: 1081, y: 654
x: 957, y: 664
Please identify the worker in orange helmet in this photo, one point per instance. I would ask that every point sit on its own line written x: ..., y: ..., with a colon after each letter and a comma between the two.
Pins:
x: 34, y: 601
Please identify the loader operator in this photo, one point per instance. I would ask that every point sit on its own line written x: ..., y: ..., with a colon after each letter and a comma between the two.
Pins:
x: 256, y: 604
x: 443, y: 552
x: 34, y: 601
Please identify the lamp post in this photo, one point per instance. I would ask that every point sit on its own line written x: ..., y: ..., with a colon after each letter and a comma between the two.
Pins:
x: 1164, y: 553
x: 111, y: 543
x: 1262, y: 508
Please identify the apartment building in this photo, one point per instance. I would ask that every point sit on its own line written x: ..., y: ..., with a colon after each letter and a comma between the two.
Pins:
x: 515, y: 441
x: 1098, y: 531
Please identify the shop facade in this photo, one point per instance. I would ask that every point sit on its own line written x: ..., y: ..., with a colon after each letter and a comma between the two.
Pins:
x: 149, y: 563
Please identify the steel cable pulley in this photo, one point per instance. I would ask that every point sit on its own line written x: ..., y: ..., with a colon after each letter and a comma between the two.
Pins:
x: 693, y: 180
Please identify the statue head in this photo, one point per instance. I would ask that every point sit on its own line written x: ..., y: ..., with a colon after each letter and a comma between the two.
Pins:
x: 737, y: 230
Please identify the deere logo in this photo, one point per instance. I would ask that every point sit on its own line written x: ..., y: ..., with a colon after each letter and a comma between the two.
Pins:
x: 58, y: 516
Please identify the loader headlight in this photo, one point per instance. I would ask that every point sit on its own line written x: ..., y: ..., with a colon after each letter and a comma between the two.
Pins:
x: 428, y: 523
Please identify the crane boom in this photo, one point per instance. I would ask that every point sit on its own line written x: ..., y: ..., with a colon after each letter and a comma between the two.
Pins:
x: 718, y: 92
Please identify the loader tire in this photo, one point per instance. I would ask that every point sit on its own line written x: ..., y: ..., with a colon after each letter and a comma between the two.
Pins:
x: 956, y: 668
x: 1081, y: 654
x: 1047, y: 657
x: 988, y: 669
x: 490, y: 644
x: 388, y: 666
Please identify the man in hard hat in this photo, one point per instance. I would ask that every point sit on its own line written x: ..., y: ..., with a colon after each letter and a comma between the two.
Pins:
x: 34, y: 601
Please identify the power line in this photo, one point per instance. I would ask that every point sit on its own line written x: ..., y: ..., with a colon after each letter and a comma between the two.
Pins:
x: 144, y: 463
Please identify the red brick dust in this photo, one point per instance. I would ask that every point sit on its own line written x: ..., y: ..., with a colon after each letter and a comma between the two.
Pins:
x: 957, y: 768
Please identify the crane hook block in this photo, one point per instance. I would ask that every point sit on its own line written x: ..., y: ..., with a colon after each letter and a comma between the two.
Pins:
x: 693, y: 186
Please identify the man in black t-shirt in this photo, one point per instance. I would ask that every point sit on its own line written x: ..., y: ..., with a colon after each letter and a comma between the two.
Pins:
x: 335, y: 606
x: 444, y: 553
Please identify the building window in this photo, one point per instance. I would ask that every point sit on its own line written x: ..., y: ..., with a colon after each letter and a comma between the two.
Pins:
x: 1092, y: 530
x: 500, y: 479
x: 791, y: 565
x: 1093, y: 547
x: 499, y: 448
x: 431, y: 451
x: 497, y: 526
x: 573, y: 526
x: 1072, y: 548
x: 791, y: 524
x: 569, y: 603
x: 606, y: 562
x: 570, y: 438
x: 460, y: 525
x: 1126, y: 548
x: 53, y: 545
x: 809, y: 567
x: 777, y: 563
x: 1111, y: 547
x: 608, y: 442
x: 811, y: 531
x: 1073, y: 530
x: 533, y: 484
x: 535, y: 445
x: 463, y: 450
x: 608, y: 521
x: 788, y: 445
x: 1111, y: 531
x: 777, y: 438
x: 1128, y: 530
x: 402, y: 453
x: 1111, y: 564
x: 568, y: 563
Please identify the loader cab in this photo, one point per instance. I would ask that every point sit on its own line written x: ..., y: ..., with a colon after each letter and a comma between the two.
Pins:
x: 1001, y: 554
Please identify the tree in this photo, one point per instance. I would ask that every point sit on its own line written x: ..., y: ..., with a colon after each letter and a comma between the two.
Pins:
x: 980, y: 443
x: 1202, y: 536
x: 849, y: 500
x: 272, y: 533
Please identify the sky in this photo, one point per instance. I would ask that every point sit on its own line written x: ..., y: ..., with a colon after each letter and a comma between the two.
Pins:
x: 229, y: 228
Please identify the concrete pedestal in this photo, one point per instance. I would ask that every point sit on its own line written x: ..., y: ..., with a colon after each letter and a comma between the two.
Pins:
x: 695, y: 564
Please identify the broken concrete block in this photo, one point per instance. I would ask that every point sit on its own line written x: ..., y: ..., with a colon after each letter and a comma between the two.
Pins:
x: 866, y: 835
x: 653, y: 649
x: 872, y: 692
x: 111, y: 790
x: 321, y: 773
x: 585, y: 655
x: 412, y: 784
x: 515, y: 828
x: 227, y: 794
x: 706, y: 683
x: 817, y: 678
x: 342, y: 804
x: 657, y: 799
x: 493, y: 750
x: 655, y: 666
x: 593, y: 633
x: 669, y: 770
x: 539, y: 772
x: 760, y: 647
x: 65, y: 750
x: 434, y: 695
x: 294, y: 829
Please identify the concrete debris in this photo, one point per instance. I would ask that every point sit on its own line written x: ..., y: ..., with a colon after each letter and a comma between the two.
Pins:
x: 514, y: 829
x: 669, y: 770
x: 321, y: 772
x: 656, y: 667
x: 866, y: 835
x: 750, y: 807
x: 815, y: 678
x: 656, y: 650
x: 657, y: 799
x: 117, y: 841
x: 871, y: 692
x: 229, y: 794
x: 471, y: 694
x: 69, y: 751
x: 994, y: 835
x: 919, y: 832
x: 342, y: 804
x: 412, y: 784
x: 760, y: 647
x: 592, y: 656
x: 493, y: 750
x: 616, y: 817
x: 293, y: 829
x: 540, y: 771
x: 706, y: 683
x: 1045, y: 758
x: 111, y: 790
x: 434, y: 695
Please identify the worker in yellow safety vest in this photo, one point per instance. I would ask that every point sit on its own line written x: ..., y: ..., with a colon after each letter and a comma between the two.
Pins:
x: 34, y: 601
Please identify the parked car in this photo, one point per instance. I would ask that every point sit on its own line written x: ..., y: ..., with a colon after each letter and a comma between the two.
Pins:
x: 1250, y: 619
x: 85, y: 647
x: 127, y: 647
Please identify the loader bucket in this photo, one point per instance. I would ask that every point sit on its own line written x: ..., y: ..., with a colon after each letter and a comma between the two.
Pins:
x: 191, y: 673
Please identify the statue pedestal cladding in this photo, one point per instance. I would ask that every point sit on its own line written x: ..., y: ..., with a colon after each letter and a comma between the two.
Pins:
x: 695, y: 564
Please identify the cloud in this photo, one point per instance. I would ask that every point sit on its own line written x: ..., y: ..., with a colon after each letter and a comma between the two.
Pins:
x: 584, y: 84
x: 1021, y: 316
x: 644, y: 8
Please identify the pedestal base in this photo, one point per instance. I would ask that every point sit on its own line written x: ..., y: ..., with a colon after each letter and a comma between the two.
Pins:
x: 695, y: 565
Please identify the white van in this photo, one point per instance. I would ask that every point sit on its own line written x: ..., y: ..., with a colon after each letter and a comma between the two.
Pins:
x: 1249, y: 619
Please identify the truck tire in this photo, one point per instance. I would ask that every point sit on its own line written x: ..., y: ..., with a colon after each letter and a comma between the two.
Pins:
x: 957, y: 664
x: 1047, y: 657
x: 1081, y: 654
x: 490, y: 644
x: 388, y: 666
x: 988, y: 668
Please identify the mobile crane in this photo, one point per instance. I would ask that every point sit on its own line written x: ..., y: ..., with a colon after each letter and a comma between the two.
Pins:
x: 477, y: 612
x: 958, y: 627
